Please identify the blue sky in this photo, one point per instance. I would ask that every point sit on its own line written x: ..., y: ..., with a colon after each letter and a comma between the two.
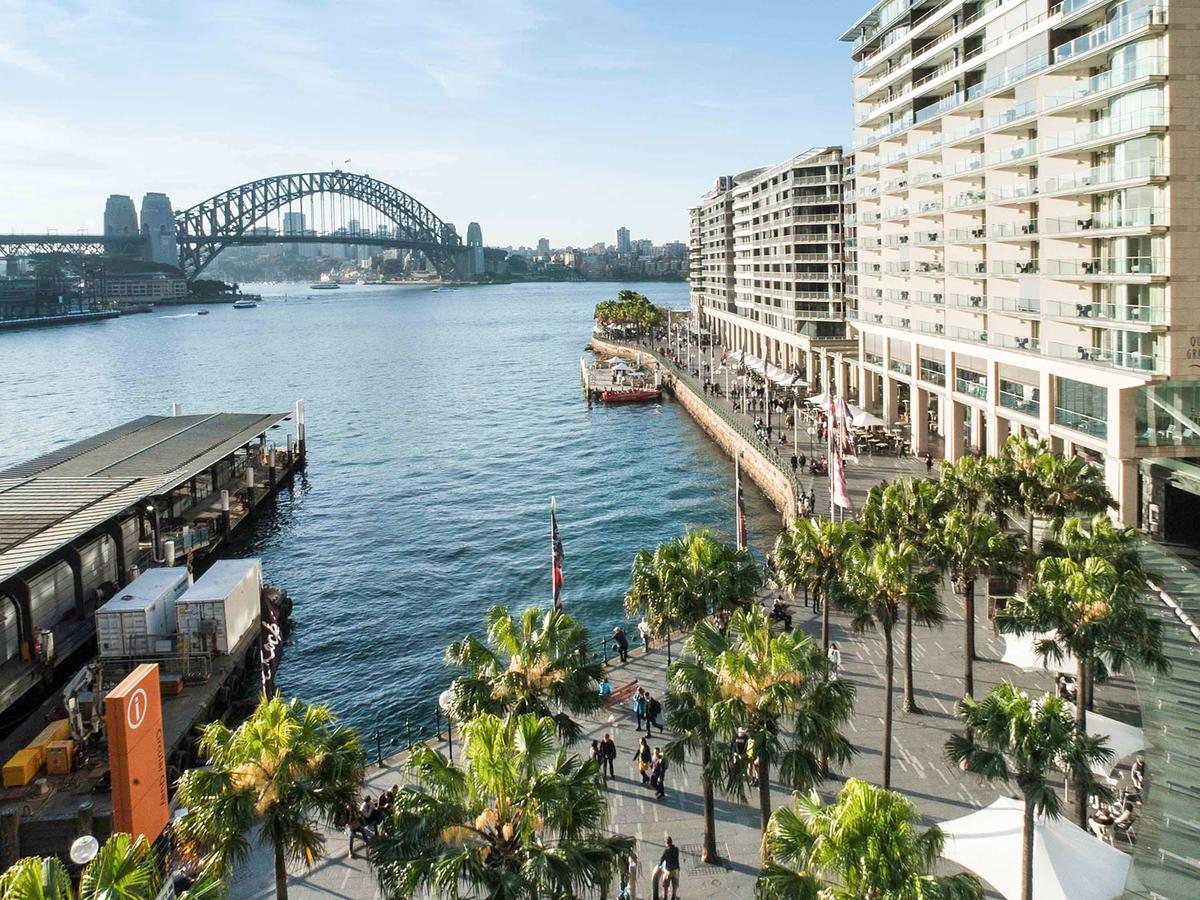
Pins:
x: 563, y: 120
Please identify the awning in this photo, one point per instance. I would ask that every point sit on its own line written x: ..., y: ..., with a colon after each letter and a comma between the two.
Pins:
x: 1068, y: 862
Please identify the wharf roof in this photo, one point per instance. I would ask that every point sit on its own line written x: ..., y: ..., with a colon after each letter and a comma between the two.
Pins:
x: 48, y: 502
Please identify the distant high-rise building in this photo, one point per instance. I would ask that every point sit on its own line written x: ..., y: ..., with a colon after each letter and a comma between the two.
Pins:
x: 543, y: 245
x: 644, y: 247
x: 120, y: 217
x: 158, y: 224
x: 474, y: 235
x: 623, y: 240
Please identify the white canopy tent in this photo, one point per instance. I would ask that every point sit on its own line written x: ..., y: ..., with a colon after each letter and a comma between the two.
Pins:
x: 613, y: 360
x: 1019, y: 651
x: 1068, y: 862
x: 1123, y: 739
x: 778, y: 375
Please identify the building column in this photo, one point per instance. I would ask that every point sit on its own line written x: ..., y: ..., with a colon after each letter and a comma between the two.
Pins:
x: 1046, y: 403
x: 953, y: 429
x: 998, y: 429
x: 918, y: 423
x: 890, y: 393
x: 1121, y: 476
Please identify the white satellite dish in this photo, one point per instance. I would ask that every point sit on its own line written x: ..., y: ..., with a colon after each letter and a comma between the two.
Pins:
x: 84, y: 849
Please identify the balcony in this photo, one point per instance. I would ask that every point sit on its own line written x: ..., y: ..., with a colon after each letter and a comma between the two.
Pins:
x: 1107, y: 312
x: 1142, y: 218
x: 1079, y: 422
x: 969, y: 335
x: 1105, y: 81
x: 976, y: 389
x: 1098, y: 176
x: 1014, y: 342
x: 1111, y: 267
x: 1017, y: 306
x: 1100, y: 356
x: 932, y: 376
x: 1107, y: 34
x: 1153, y: 117
x: 1017, y: 401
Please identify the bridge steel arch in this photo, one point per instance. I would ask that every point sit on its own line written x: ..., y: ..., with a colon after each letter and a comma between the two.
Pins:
x: 207, y: 228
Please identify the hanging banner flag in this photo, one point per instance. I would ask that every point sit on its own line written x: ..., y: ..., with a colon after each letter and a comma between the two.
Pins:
x: 837, y: 477
x: 556, y: 556
x: 844, y: 432
x: 741, y: 504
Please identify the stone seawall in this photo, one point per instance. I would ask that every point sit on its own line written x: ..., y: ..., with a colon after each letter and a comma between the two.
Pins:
x: 774, y: 483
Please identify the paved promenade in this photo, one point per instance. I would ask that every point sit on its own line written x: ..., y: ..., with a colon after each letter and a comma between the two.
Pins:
x: 939, y: 790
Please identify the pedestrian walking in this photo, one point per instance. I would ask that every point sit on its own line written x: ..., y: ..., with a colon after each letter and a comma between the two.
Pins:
x: 597, y: 755
x: 642, y: 757
x: 928, y: 462
x: 608, y: 752
x: 621, y: 643
x: 639, y: 707
x: 658, y: 774
x: 644, y: 633
x: 653, y: 711
x: 835, y: 660
x: 666, y: 874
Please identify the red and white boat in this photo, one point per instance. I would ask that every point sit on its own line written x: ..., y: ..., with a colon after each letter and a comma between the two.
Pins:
x: 630, y: 395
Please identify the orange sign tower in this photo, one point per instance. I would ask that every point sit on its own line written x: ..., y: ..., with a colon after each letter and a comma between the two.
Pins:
x: 133, y: 716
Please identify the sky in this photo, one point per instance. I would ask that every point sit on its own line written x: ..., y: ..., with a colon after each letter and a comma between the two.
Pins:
x: 563, y: 120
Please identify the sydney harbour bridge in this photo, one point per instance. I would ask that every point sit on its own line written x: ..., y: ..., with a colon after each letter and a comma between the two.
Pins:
x: 307, y: 208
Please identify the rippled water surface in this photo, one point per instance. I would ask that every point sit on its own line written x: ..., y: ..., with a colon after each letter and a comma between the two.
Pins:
x: 439, y: 425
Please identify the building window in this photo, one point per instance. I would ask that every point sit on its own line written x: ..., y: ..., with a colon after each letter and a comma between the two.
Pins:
x: 973, y: 384
x: 1083, y: 407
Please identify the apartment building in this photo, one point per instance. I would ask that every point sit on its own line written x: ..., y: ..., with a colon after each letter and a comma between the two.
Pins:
x: 1025, y: 238
x: 769, y: 249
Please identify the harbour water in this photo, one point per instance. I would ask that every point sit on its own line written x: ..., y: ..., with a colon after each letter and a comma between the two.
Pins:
x: 439, y: 425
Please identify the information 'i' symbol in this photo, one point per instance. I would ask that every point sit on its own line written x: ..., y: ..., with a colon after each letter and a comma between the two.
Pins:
x: 135, y: 712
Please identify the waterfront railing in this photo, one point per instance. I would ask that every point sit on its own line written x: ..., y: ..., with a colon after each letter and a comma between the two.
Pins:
x: 724, y: 409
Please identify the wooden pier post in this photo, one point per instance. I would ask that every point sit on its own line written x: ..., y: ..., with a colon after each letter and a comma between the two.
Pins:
x: 10, y: 836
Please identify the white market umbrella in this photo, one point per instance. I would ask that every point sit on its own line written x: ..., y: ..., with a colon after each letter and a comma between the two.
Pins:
x: 613, y: 360
x: 1019, y: 651
x: 1123, y: 739
x: 821, y: 400
x: 864, y: 419
x: 1068, y: 862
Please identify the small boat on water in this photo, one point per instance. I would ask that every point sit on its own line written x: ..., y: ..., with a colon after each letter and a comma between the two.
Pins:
x: 203, y: 312
x: 325, y: 286
x: 245, y: 303
x: 630, y: 395
x: 360, y: 282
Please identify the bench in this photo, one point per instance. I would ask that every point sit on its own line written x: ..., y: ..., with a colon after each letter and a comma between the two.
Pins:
x: 621, y: 694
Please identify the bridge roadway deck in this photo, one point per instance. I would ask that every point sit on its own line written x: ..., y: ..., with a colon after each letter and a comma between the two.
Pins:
x: 939, y: 790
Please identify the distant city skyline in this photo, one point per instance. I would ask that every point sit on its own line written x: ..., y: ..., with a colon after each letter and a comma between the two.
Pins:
x: 527, y: 117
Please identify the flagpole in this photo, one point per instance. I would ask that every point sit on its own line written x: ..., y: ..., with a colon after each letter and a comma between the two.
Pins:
x: 553, y: 552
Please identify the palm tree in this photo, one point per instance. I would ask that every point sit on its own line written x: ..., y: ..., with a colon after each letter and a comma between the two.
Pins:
x: 1091, y: 610
x: 688, y: 577
x: 541, y: 663
x: 912, y: 510
x: 1014, y: 739
x: 812, y: 554
x: 692, y: 691
x: 1043, y: 484
x: 881, y: 579
x: 123, y: 869
x: 973, y: 484
x: 288, y: 769
x: 515, y: 817
x: 971, y: 544
x: 772, y: 684
x: 866, y: 845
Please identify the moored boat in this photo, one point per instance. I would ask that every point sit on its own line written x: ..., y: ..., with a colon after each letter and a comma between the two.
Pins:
x: 630, y: 395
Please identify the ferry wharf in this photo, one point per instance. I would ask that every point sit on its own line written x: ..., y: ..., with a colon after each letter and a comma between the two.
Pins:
x: 76, y: 526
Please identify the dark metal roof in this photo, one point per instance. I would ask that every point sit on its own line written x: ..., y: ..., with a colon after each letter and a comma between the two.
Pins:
x: 48, y: 502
